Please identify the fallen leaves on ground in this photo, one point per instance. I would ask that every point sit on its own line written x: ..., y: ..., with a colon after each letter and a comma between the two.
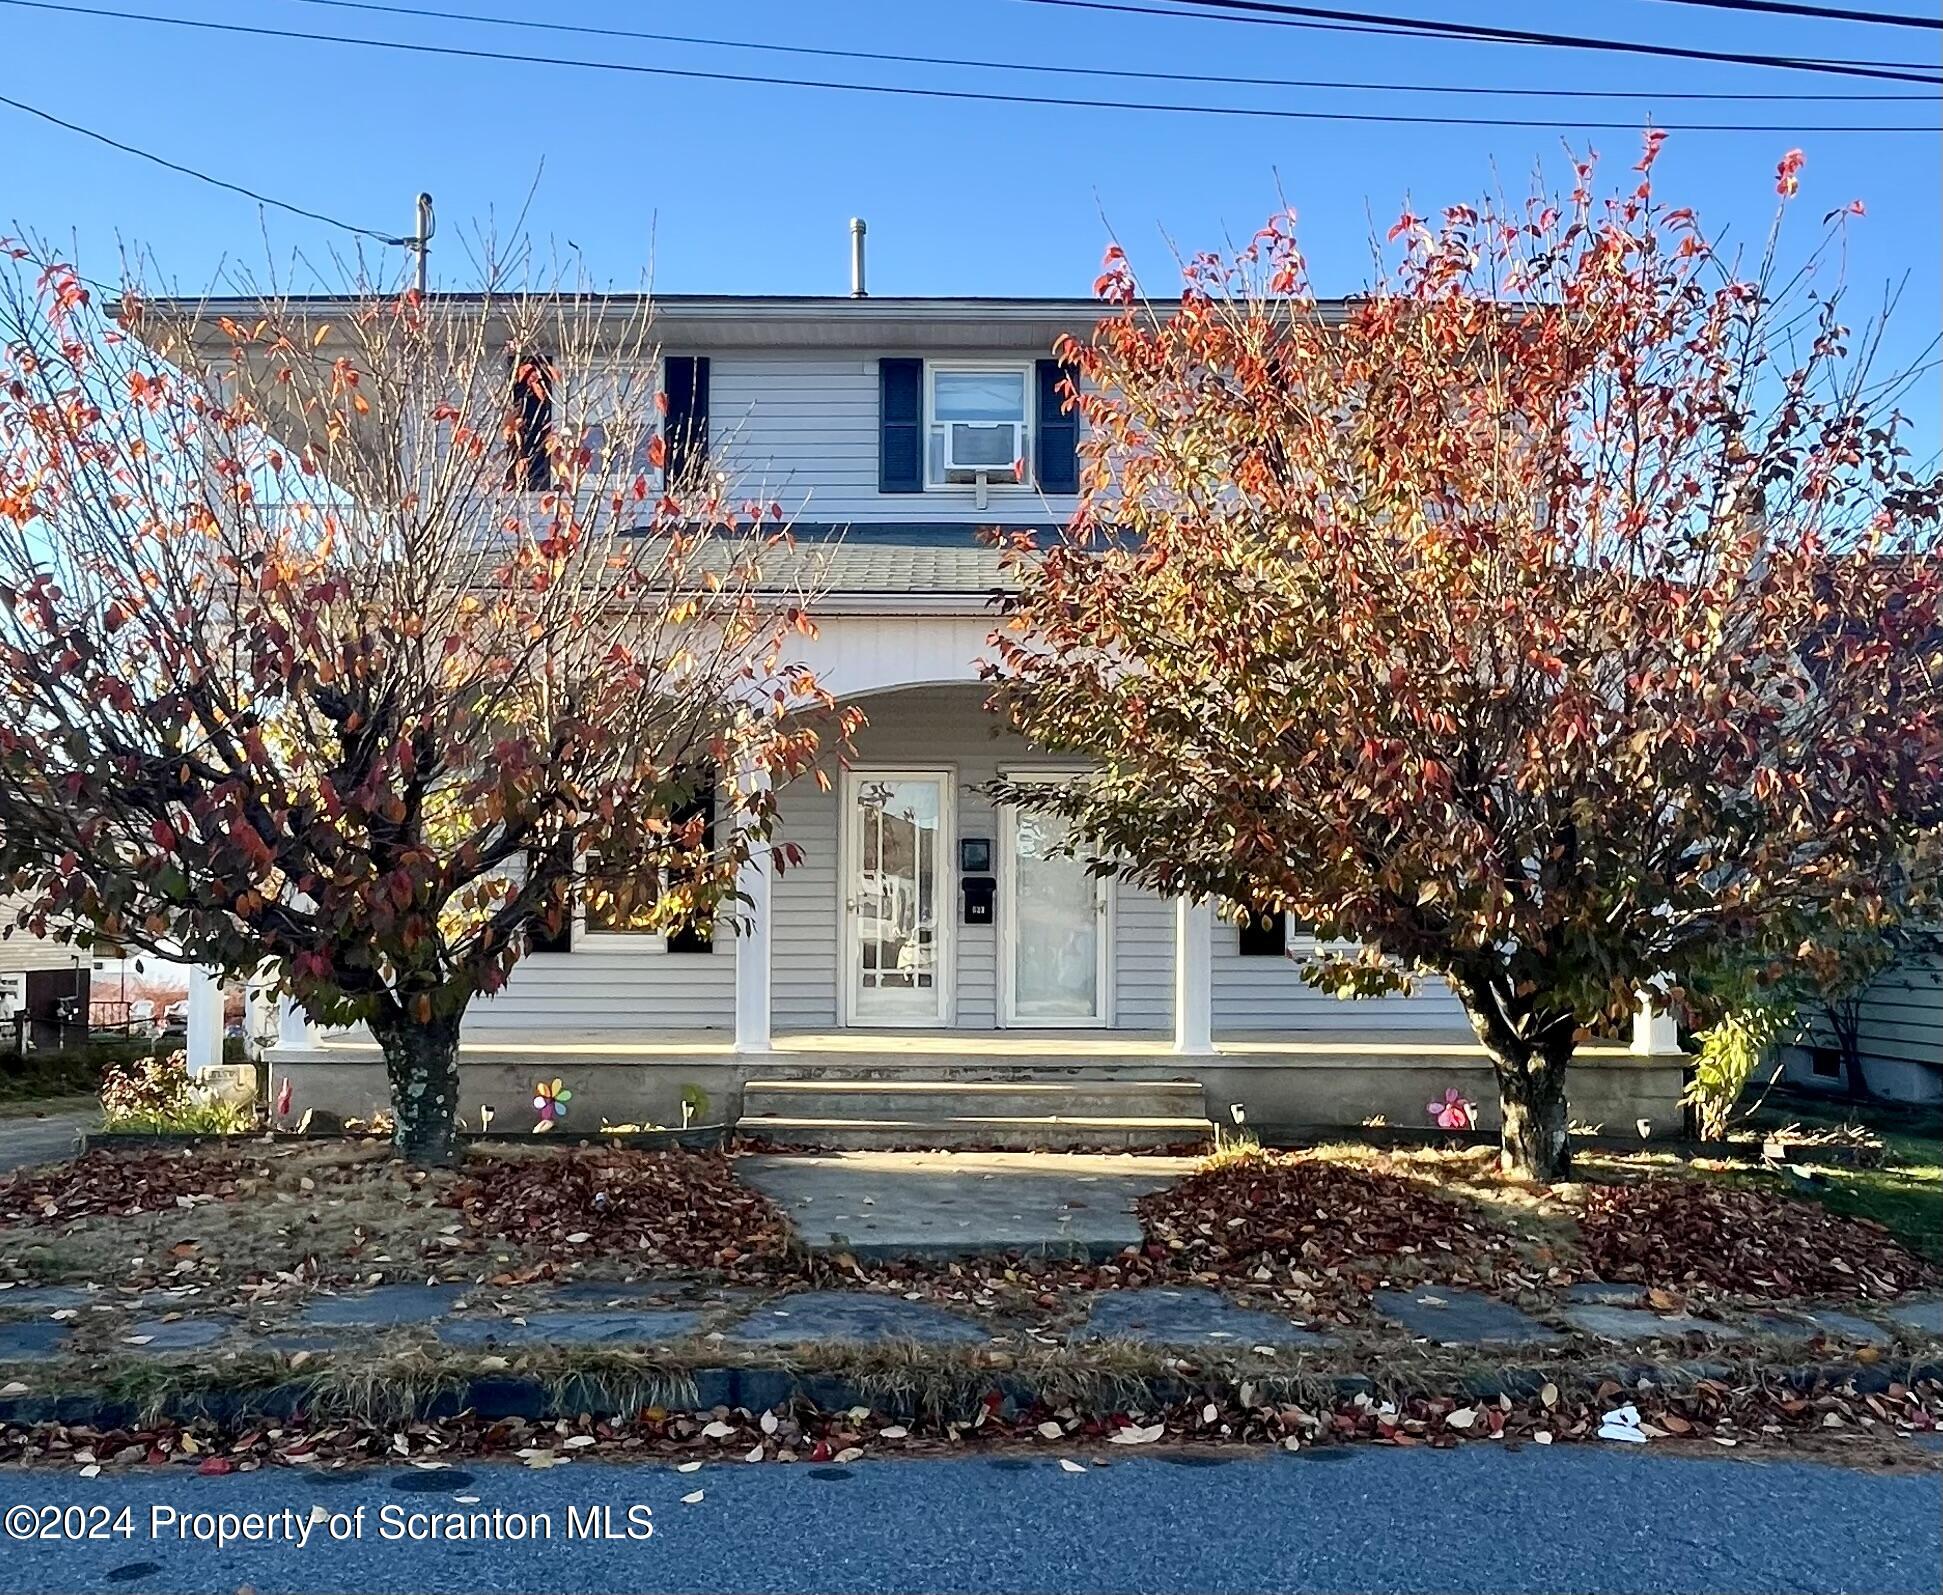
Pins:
x: 1737, y: 1240
x: 683, y: 1209
x: 1857, y: 1425
x: 1283, y: 1212
x: 121, y: 1183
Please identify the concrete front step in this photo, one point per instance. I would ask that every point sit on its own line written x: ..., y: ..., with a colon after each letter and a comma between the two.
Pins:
x: 1005, y: 1123
x: 946, y: 1100
x: 1025, y: 1133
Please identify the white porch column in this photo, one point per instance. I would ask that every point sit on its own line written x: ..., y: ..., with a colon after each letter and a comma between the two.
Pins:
x: 293, y: 1024
x: 753, y: 881
x: 204, y: 1042
x: 1655, y: 1031
x: 1193, y: 976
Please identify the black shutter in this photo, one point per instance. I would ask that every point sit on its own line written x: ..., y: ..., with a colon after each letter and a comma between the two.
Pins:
x: 686, y: 423
x: 530, y: 426
x: 537, y: 938
x: 698, y: 935
x: 900, y: 415
x: 1264, y: 935
x: 1058, y: 428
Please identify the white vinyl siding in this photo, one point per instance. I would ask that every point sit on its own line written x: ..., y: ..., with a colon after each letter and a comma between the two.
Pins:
x: 803, y: 430
x: 1902, y: 1016
x: 616, y: 983
x: 1269, y: 994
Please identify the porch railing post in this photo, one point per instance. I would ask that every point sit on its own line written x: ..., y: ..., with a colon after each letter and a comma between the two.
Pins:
x: 1656, y: 1032
x: 204, y: 1041
x: 293, y: 1024
x: 1193, y: 975
x: 753, y: 881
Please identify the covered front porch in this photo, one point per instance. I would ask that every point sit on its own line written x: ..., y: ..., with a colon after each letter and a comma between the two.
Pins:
x: 1266, y: 1081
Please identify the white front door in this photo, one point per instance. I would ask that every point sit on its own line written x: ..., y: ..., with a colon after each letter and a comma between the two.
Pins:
x: 1055, y: 934
x: 897, y: 896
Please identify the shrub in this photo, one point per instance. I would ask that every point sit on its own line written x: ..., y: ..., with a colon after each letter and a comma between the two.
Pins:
x: 156, y: 1094
x: 1730, y: 1053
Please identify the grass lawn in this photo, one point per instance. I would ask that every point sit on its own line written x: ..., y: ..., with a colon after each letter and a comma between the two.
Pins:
x: 1904, y: 1193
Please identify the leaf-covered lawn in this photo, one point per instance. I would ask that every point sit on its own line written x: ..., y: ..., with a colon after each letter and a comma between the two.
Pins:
x: 1741, y: 1240
x: 122, y: 1184
x: 1281, y: 1216
x: 668, y: 1209
x: 1316, y: 1230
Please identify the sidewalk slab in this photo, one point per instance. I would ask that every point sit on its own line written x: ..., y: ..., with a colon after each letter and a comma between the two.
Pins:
x: 383, y: 1306
x: 50, y: 1298
x: 1193, y: 1317
x: 1597, y: 1293
x: 597, y: 1293
x: 817, y: 1315
x: 1804, y: 1323
x: 567, y: 1327
x: 176, y: 1334
x: 1925, y: 1316
x: 881, y: 1205
x: 1453, y: 1317
x: 1638, y: 1323
x: 30, y: 1341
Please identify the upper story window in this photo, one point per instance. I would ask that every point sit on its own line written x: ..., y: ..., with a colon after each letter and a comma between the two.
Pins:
x: 529, y: 424
x: 979, y: 420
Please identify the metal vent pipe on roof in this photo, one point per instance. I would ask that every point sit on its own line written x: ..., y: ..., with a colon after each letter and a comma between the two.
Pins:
x: 857, y: 230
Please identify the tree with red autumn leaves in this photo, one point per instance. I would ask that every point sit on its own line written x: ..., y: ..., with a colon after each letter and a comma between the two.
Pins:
x: 1560, y: 618
x: 356, y: 637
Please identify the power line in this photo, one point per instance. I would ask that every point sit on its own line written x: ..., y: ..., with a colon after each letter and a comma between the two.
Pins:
x: 1269, y: 14
x: 426, y: 13
x: 1888, y: 19
x: 199, y: 176
x: 910, y: 91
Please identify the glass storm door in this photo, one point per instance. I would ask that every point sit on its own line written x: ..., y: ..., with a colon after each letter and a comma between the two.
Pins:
x: 1055, y: 932
x: 897, y: 897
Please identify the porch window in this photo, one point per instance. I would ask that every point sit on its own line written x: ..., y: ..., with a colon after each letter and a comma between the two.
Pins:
x: 1264, y: 935
x: 626, y: 905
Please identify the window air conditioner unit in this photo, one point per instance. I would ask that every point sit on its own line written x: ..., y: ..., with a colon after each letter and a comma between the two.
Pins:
x: 983, y: 448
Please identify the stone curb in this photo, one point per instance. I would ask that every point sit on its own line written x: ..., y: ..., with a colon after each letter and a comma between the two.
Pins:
x: 493, y: 1397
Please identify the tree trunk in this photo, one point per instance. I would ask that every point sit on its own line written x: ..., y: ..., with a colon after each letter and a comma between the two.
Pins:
x: 422, y: 1061
x: 1846, y: 1021
x: 1534, y: 1142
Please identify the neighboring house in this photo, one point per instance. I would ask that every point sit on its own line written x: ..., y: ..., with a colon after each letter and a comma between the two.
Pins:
x: 1899, y: 1034
x: 927, y: 932
x: 44, y: 986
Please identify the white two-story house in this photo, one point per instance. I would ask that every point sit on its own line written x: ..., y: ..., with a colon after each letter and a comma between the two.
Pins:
x: 932, y: 971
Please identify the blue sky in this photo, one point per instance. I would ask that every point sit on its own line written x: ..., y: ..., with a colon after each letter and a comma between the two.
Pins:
x: 747, y: 189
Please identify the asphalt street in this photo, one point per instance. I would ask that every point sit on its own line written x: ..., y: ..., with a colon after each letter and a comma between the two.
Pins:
x: 30, y: 1138
x: 1478, y: 1518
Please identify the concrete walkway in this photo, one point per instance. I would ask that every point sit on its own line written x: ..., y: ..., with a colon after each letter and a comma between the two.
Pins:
x: 954, y: 1204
